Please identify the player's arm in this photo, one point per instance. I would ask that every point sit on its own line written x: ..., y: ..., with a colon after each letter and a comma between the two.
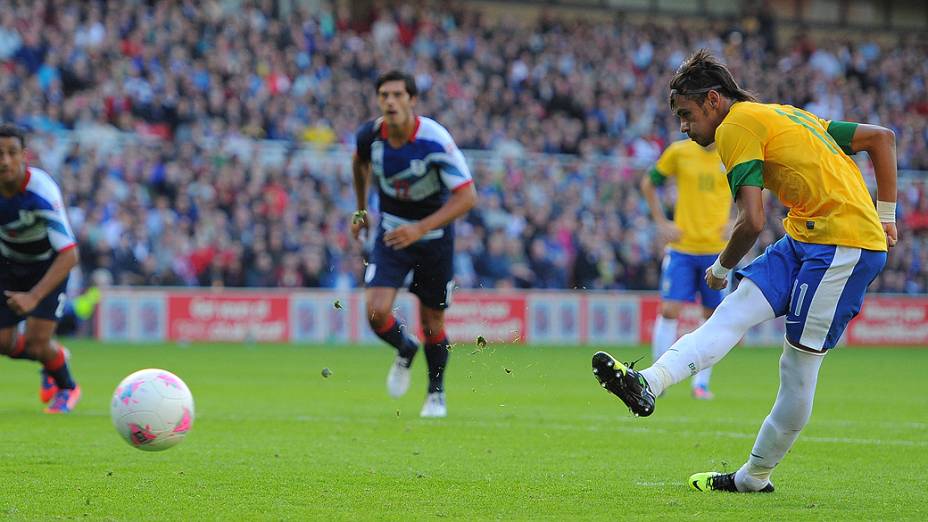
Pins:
x: 741, y: 150
x: 668, y: 230
x: 749, y: 223
x: 462, y: 199
x: 361, y: 171
x: 880, y: 145
x: 24, y: 302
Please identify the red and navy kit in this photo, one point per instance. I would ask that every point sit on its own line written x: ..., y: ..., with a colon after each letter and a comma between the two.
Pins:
x: 414, y: 181
x: 34, y: 228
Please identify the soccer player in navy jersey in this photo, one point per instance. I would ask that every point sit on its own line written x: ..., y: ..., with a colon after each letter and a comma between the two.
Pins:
x: 423, y: 185
x: 37, y: 251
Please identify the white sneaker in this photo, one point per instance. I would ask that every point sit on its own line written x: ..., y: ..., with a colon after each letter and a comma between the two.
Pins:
x: 434, y: 406
x: 398, y: 377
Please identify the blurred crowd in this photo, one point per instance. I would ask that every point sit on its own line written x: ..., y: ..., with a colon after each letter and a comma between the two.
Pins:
x: 564, y: 116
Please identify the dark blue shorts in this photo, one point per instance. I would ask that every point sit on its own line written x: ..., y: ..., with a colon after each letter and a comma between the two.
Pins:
x: 431, y: 263
x: 819, y: 288
x: 21, y: 277
x: 684, y: 275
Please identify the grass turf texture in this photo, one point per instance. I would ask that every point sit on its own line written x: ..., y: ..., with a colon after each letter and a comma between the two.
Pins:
x: 530, y: 436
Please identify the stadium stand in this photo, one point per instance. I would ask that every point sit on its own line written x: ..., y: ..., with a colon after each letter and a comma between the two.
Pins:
x: 204, y: 148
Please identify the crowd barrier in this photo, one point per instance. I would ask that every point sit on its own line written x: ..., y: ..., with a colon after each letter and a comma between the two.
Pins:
x: 520, y: 317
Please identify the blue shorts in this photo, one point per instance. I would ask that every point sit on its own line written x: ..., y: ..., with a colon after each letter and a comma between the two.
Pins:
x: 819, y: 288
x: 684, y: 275
x: 21, y: 277
x: 431, y: 262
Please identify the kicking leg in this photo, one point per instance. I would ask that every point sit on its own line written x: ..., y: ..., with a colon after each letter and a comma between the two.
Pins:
x: 702, y: 348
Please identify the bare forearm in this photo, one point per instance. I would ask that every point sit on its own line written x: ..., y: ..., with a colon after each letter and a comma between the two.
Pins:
x: 742, y: 239
x: 459, y: 204
x: 654, y: 204
x: 884, y: 167
x: 360, y: 171
x: 748, y: 225
x: 880, y: 144
x: 56, y: 273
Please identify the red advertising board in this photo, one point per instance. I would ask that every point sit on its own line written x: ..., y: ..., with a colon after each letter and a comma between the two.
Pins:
x: 890, y: 321
x: 690, y: 317
x: 495, y: 317
x: 229, y: 316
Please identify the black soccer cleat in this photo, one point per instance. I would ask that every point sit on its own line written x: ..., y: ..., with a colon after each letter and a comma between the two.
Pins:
x: 715, y: 481
x: 624, y: 382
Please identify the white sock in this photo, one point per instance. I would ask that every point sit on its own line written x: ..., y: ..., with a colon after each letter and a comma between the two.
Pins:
x: 705, y: 346
x: 701, y: 379
x: 791, y: 411
x: 665, y: 333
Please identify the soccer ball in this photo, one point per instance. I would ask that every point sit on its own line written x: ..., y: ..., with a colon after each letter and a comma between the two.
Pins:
x: 152, y: 409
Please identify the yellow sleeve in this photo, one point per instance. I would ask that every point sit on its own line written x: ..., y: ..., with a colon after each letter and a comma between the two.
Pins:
x: 742, y: 152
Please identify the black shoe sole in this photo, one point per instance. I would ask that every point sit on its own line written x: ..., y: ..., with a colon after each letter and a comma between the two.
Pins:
x: 611, y: 378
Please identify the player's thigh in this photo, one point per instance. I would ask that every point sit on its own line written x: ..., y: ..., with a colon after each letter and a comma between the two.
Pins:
x: 387, y: 267
x: 433, y: 274
x: 828, y: 292
x: 773, y: 272
x: 678, y: 277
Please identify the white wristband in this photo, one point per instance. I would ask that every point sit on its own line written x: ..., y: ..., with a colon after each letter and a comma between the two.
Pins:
x: 718, y: 271
x: 887, y: 211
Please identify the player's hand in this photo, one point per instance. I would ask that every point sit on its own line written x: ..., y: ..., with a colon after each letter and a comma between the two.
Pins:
x: 358, y: 223
x: 892, y: 235
x: 401, y: 237
x: 714, y: 282
x: 669, y: 232
x: 21, y: 302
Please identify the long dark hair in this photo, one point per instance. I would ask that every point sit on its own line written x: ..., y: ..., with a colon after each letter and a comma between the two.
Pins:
x: 701, y: 73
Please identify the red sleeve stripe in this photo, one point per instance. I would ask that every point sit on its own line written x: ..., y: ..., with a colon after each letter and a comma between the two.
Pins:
x: 68, y: 247
x: 462, y: 185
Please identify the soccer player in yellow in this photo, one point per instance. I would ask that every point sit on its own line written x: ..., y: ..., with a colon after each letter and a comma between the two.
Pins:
x: 695, y: 237
x: 835, y: 245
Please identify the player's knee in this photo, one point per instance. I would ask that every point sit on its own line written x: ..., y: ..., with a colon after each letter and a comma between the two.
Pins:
x: 670, y: 310
x: 432, y: 328
x: 378, y: 315
x: 39, y: 348
x: 7, y: 344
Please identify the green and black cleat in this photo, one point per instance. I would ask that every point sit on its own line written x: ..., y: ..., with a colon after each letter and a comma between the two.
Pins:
x: 624, y: 382
x: 715, y: 481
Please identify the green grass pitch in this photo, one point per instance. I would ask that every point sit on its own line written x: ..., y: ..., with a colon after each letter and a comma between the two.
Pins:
x: 530, y: 436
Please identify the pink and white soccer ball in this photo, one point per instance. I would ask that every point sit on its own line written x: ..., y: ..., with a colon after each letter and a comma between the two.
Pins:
x: 152, y: 409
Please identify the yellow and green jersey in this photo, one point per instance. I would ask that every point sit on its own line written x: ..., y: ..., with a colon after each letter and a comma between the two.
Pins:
x: 703, y: 201
x: 804, y: 160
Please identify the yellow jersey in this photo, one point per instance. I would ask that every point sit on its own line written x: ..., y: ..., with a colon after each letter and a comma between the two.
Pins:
x: 703, y: 201
x: 804, y: 160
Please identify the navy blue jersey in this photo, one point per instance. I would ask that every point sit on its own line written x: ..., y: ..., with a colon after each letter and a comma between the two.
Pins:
x: 416, y: 179
x: 33, y: 224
